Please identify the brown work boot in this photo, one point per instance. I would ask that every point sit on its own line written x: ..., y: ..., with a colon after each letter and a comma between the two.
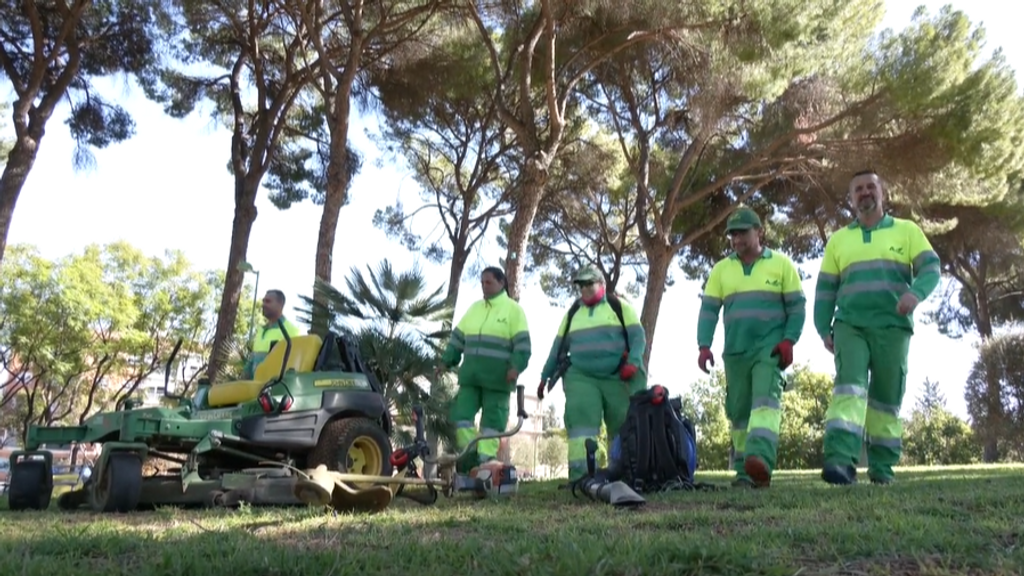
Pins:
x: 757, y: 469
x: 743, y: 482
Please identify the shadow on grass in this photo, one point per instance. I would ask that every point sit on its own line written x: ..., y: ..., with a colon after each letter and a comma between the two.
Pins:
x: 964, y: 522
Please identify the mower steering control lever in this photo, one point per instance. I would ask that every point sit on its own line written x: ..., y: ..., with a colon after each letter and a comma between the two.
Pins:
x: 266, y: 401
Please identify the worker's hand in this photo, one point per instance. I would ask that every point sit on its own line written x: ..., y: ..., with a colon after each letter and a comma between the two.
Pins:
x: 907, y: 303
x: 705, y: 357
x: 511, y: 375
x: 828, y: 344
x: 784, y: 350
x: 627, y: 372
x: 540, y: 389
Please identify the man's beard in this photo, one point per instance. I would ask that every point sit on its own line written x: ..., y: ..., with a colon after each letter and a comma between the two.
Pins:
x: 867, y: 205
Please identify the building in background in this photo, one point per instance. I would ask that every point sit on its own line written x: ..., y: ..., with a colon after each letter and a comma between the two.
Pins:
x: 532, y: 430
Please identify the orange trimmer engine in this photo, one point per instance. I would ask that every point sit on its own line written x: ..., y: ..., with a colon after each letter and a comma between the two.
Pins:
x: 491, y: 479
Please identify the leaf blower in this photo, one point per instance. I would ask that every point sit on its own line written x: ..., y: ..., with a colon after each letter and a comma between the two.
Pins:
x: 596, y: 486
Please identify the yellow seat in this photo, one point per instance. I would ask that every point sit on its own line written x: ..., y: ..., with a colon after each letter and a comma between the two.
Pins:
x: 302, y: 358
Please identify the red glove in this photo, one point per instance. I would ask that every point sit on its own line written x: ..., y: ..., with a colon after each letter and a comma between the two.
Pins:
x: 784, y: 350
x: 705, y: 357
x: 540, y: 389
x: 627, y: 372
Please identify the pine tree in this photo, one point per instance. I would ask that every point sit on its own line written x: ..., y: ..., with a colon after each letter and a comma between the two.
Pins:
x: 931, y: 398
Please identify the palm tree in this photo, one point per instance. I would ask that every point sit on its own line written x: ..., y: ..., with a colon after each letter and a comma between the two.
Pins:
x: 398, y: 327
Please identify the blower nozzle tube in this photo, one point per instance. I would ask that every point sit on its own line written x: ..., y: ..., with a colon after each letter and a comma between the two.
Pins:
x: 598, y: 487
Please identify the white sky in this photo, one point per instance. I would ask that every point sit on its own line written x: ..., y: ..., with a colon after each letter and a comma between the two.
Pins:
x: 168, y: 188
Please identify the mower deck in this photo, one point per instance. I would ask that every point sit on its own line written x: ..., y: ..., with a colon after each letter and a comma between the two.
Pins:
x: 254, y: 487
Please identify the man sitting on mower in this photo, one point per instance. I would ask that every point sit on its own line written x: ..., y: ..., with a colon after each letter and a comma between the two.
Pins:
x: 270, y: 333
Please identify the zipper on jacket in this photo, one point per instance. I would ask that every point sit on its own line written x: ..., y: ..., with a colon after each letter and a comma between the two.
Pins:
x: 480, y: 329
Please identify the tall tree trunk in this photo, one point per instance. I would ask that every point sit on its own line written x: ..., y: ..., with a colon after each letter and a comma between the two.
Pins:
x: 460, y: 256
x: 659, y: 258
x: 990, y: 449
x: 34, y: 106
x: 19, y: 163
x: 333, y: 201
x: 336, y: 194
x: 241, y: 228
x: 527, y: 201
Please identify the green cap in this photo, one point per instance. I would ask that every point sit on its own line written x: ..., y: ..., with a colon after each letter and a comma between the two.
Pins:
x: 589, y: 274
x: 742, y: 219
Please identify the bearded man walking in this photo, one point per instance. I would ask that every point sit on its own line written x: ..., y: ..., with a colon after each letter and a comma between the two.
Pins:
x: 875, y: 272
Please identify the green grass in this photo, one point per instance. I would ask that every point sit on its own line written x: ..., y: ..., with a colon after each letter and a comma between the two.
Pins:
x: 938, y: 521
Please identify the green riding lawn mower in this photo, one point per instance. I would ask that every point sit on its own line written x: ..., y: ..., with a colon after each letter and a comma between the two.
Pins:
x: 311, y: 427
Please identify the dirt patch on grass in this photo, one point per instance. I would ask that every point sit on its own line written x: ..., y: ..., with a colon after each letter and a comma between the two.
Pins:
x: 1010, y: 541
x: 737, y: 506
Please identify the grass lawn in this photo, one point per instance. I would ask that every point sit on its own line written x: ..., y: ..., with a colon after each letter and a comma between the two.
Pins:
x: 965, y: 520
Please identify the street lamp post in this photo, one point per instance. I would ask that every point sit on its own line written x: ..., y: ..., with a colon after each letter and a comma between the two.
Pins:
x: 245, y: 267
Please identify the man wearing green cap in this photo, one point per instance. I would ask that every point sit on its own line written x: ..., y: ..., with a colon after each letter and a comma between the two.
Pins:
x: 606, y: 366
x: 764, y: 317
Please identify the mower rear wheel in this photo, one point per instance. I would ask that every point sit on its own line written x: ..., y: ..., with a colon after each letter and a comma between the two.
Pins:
x: 31, y: 487
x: 120, y: 487
x: 354, y: 445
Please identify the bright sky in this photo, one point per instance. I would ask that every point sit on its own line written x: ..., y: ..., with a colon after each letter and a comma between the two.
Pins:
x: 168, y: 188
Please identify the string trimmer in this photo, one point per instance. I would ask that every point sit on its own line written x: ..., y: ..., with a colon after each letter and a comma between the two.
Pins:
x: 324, y: 487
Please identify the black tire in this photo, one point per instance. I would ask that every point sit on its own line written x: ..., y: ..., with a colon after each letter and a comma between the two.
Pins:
x: 72, y: 500
x: 120, y: 487
x: 31, y: 486
x: 338, y: 439
x: 214, y: 499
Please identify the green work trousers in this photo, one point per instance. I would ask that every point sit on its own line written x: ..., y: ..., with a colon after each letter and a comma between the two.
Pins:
x: 863, y: 408
x: 588, y: 401
x: 468, y: 401
x: 753, y: 405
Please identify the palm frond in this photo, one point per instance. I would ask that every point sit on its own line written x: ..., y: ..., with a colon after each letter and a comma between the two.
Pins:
x: 401, y: 330
x: 232, y: 353
x: 332, y: 304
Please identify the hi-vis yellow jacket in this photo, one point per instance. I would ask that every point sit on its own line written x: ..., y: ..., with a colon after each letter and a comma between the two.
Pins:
x: 492, y: 337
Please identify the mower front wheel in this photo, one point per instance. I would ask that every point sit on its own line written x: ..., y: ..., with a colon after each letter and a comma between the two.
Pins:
x: 354, y: 445
x: 120, y: 487
x: 31, y: 486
